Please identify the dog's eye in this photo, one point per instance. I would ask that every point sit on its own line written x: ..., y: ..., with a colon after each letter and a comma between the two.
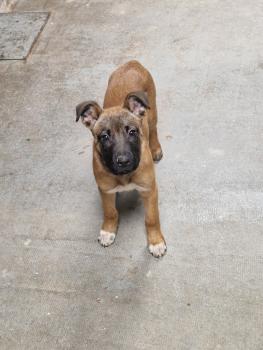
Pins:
x: 132, y: 132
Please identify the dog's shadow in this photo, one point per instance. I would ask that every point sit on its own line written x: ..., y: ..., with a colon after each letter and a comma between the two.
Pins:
x: 128, y: 201
x: 131, y: 214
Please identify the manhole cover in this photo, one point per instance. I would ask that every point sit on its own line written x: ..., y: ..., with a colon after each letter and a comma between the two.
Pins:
x: 18, y: 32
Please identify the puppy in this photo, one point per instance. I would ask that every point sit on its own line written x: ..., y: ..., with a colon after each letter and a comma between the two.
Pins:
x: 125, y: 147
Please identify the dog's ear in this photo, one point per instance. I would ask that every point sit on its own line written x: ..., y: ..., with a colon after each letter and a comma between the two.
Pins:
x: 89, y: 112
x: 137, y: 102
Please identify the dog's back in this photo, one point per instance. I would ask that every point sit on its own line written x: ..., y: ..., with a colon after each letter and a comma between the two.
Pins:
x: 130, y: 77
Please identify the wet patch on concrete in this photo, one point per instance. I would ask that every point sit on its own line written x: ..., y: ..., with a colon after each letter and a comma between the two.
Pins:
x: 19, y: 31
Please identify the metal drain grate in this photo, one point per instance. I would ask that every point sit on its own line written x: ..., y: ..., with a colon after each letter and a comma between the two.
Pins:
x: 18, y: 32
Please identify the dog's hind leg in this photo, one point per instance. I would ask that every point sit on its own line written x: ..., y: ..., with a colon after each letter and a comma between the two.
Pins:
x: 154, y: 143
x: 155, y: 147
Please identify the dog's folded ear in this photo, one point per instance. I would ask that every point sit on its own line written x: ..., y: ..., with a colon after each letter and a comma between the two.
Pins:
x: 137, y: 102
x: 89, y: 112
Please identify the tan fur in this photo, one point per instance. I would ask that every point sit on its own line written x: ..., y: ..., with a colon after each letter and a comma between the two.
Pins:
x: 128, y: 78
x: 132, y: 76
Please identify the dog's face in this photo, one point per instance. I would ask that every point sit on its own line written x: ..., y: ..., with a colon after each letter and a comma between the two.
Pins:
x: 117, y: 131
x: 117, y: 138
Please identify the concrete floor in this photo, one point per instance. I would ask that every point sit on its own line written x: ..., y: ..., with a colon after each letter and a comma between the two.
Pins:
x: 59, y: 288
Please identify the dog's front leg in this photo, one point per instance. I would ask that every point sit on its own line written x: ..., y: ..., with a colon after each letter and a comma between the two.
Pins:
x: 110, y: 222
x: 156, y: 242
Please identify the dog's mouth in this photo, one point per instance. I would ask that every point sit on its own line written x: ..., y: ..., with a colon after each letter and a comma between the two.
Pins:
x: 117, y: 170
x: 123, y: 171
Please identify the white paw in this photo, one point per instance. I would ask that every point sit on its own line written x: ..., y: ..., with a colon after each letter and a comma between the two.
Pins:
x: 158, y: 250
x: 106, y: 238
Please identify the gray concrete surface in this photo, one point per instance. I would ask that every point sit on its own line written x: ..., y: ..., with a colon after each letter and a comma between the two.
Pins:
x: 19, y: 31
x: 59, y: 288
x: 7, y: 5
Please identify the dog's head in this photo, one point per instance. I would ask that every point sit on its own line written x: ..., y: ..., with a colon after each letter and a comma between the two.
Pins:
x: 117, y: 131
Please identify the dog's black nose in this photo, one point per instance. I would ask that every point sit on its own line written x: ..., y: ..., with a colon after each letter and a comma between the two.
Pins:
x: 123, y: 160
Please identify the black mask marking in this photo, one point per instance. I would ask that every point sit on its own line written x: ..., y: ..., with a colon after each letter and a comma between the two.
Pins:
x: 120, y: 149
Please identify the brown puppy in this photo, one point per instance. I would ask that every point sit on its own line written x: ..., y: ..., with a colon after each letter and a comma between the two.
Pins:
x: 125, y: 146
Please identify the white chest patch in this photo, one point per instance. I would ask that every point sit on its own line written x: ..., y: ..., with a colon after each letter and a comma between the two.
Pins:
x: 129, y: 187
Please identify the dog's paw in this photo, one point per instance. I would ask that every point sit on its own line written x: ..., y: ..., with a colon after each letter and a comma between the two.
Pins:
x: 106, y: 238
x: 157, y: 154
x: 158, y: 250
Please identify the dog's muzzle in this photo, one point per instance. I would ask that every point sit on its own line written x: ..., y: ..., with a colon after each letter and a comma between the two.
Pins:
x: 124, y: 163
